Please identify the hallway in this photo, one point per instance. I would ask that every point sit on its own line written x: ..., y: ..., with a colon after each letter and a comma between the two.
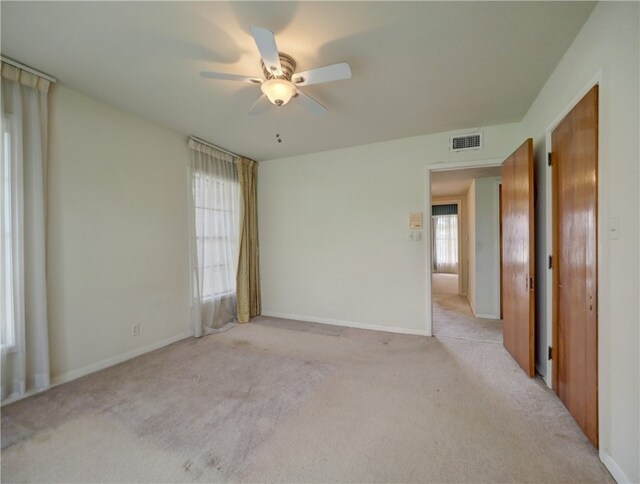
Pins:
x: 476, y: 346
x: 453, y: 318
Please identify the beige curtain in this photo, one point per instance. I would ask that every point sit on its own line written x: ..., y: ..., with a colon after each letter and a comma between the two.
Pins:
x: 23, y: 293
x: 248, y: 278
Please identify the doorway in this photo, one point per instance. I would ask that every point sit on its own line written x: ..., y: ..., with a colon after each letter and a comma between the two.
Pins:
x: 465, y: 253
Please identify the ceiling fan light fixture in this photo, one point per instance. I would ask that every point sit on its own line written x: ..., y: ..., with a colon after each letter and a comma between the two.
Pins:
x: 281, y: 81
x: 278, y: 91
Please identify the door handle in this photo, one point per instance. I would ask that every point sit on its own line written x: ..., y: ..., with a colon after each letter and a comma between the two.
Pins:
x: 528, y: 283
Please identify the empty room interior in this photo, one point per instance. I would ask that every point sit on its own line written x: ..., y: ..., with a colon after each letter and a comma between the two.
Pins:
x: 320, y: 241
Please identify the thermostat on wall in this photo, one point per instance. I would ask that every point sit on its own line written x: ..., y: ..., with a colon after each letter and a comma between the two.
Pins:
x: 415, y: 221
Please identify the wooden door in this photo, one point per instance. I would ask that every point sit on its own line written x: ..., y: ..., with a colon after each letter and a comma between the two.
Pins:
x: 574, y: 157
x: 500, y: 236
x: 518, y: 256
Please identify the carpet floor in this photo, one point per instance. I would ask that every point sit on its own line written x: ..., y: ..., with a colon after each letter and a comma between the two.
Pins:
x: 285, y: 401
x: 444, y: 283
x: 453, y: 318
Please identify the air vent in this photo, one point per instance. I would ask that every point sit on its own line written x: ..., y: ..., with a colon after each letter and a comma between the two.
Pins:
x: 466, y: 142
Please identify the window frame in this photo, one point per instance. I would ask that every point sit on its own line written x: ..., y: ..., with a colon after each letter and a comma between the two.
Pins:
x: 10, y: 346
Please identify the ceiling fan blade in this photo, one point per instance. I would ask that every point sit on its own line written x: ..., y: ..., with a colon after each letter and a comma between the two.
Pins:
x: 230, y: 77
x: 310, y: 104
x: 335, y: 72
x: 261, y: 106
x: 266, y: 43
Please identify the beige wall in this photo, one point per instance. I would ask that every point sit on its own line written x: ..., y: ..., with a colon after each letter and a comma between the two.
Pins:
x: 333, y: 230
x: 607, y: 44
x: 471, y: 234
x: 116, y: 238
x: 487, y: 247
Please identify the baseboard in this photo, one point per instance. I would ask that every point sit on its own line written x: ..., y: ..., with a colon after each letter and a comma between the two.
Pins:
x: 348, y: 324
x: 486, y: 316
x: 101, y: 365
x: 614, y: 469
x: 470, y: 305
x: 30, y: 393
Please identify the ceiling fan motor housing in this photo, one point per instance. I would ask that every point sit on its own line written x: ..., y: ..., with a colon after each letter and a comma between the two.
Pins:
x: 288, y: 68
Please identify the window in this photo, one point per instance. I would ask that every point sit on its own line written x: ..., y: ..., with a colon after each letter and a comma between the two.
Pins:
x: 7, y: 316
x: 217, y: 234
x: 445, y: 238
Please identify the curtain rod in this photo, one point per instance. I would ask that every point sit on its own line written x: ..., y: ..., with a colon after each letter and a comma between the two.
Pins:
x: 211, y: 145
x: 24, y: 67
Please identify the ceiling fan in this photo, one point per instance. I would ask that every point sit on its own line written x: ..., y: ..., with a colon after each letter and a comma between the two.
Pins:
x: 281, y: 81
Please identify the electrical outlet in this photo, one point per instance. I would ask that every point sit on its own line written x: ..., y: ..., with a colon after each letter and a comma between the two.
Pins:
x: 135, y: 330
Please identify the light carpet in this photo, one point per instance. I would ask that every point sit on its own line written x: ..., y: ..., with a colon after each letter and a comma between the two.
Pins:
x: 285, y: 401
x: 452, y: 317
x: 444, y: 283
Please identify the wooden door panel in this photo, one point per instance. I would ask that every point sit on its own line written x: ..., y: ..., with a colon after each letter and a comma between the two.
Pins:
x: 575, y: 162
x: 518, y: 256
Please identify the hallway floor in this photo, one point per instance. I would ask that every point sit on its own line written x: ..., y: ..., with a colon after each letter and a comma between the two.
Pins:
x: 453, y: 318
x: 444, y: 283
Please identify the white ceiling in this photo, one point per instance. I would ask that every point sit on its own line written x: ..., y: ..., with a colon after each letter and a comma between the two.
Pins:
x: 457, y: 182
x: 417, y: 67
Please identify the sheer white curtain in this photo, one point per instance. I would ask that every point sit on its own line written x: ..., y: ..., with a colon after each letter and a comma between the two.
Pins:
x: 23, y: 294
x: 214, y: 235
x: 445, y: 243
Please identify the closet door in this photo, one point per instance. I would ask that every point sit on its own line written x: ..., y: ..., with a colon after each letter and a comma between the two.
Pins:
x: 575, y: 203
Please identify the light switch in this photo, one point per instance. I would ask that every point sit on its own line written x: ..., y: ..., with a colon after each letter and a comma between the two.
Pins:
x: 412, y: 235
x: 418, y: 235
x: 614, y: 228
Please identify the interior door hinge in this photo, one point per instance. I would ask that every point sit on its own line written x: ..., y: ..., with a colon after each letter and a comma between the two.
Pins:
x: 531, y: 283
x: 550, y: 262
x: 549, y: 158
x: 550, y: 355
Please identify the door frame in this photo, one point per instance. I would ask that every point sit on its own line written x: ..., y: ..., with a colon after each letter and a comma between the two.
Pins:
x: 440, y: 166
x: 458, y: 202
x: 549, y: 239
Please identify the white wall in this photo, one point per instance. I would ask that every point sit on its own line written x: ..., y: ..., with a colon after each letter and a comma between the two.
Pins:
x: 116, y: 240
x: 609, y: 42
x: 464, y: 240
x: 471, y: 245
x: 483, y: 232
x: 487, y: 247
x: 333, y: 230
